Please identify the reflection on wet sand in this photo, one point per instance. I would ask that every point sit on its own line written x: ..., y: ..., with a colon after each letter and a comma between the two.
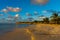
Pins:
x: 32, y: 35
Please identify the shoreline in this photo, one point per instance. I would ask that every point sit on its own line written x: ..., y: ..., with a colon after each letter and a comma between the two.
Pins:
x: 37, y: 32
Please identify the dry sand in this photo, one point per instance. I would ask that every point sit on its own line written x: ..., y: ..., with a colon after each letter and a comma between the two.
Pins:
x: 37, y: 32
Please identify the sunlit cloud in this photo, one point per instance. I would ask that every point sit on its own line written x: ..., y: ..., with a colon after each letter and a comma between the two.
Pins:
x: 9, y: 8
x: 39, y: 1
x: 4, y: 10
x: 17, y: 9
x: 17, y: 15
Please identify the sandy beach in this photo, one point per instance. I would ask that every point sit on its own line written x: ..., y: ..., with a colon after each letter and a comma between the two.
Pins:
x: 37, y: 32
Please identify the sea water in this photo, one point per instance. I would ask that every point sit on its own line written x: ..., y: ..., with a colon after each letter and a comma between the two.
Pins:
x: 8, y: 27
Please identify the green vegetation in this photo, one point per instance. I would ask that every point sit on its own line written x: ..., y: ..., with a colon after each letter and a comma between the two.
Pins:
x: 54, y: 19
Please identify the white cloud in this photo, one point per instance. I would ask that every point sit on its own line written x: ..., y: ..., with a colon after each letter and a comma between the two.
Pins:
x: 17, y: 9
x: 17, y: 15
x: 4, y: 10
x: 44, y: 11
x: 9, y: 8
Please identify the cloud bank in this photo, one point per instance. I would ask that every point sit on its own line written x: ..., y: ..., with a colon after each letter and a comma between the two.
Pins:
x: 11, y: 9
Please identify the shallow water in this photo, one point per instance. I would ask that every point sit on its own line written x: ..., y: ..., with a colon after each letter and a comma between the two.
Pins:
x: 4, y: 28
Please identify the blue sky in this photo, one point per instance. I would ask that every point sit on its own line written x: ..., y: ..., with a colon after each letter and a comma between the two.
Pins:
x: 27, y: 6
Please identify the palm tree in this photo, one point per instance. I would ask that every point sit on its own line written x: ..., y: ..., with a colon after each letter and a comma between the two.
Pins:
x: 55, y: 15
x: 58, y: 20
x: 54, y: 18
x: 46, y: 20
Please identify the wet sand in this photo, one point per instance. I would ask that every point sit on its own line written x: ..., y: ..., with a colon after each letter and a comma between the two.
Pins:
x: 37, y: 32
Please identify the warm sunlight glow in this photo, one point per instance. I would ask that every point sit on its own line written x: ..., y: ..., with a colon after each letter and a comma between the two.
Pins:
x: 40, y: 1
x: 29, y: 32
